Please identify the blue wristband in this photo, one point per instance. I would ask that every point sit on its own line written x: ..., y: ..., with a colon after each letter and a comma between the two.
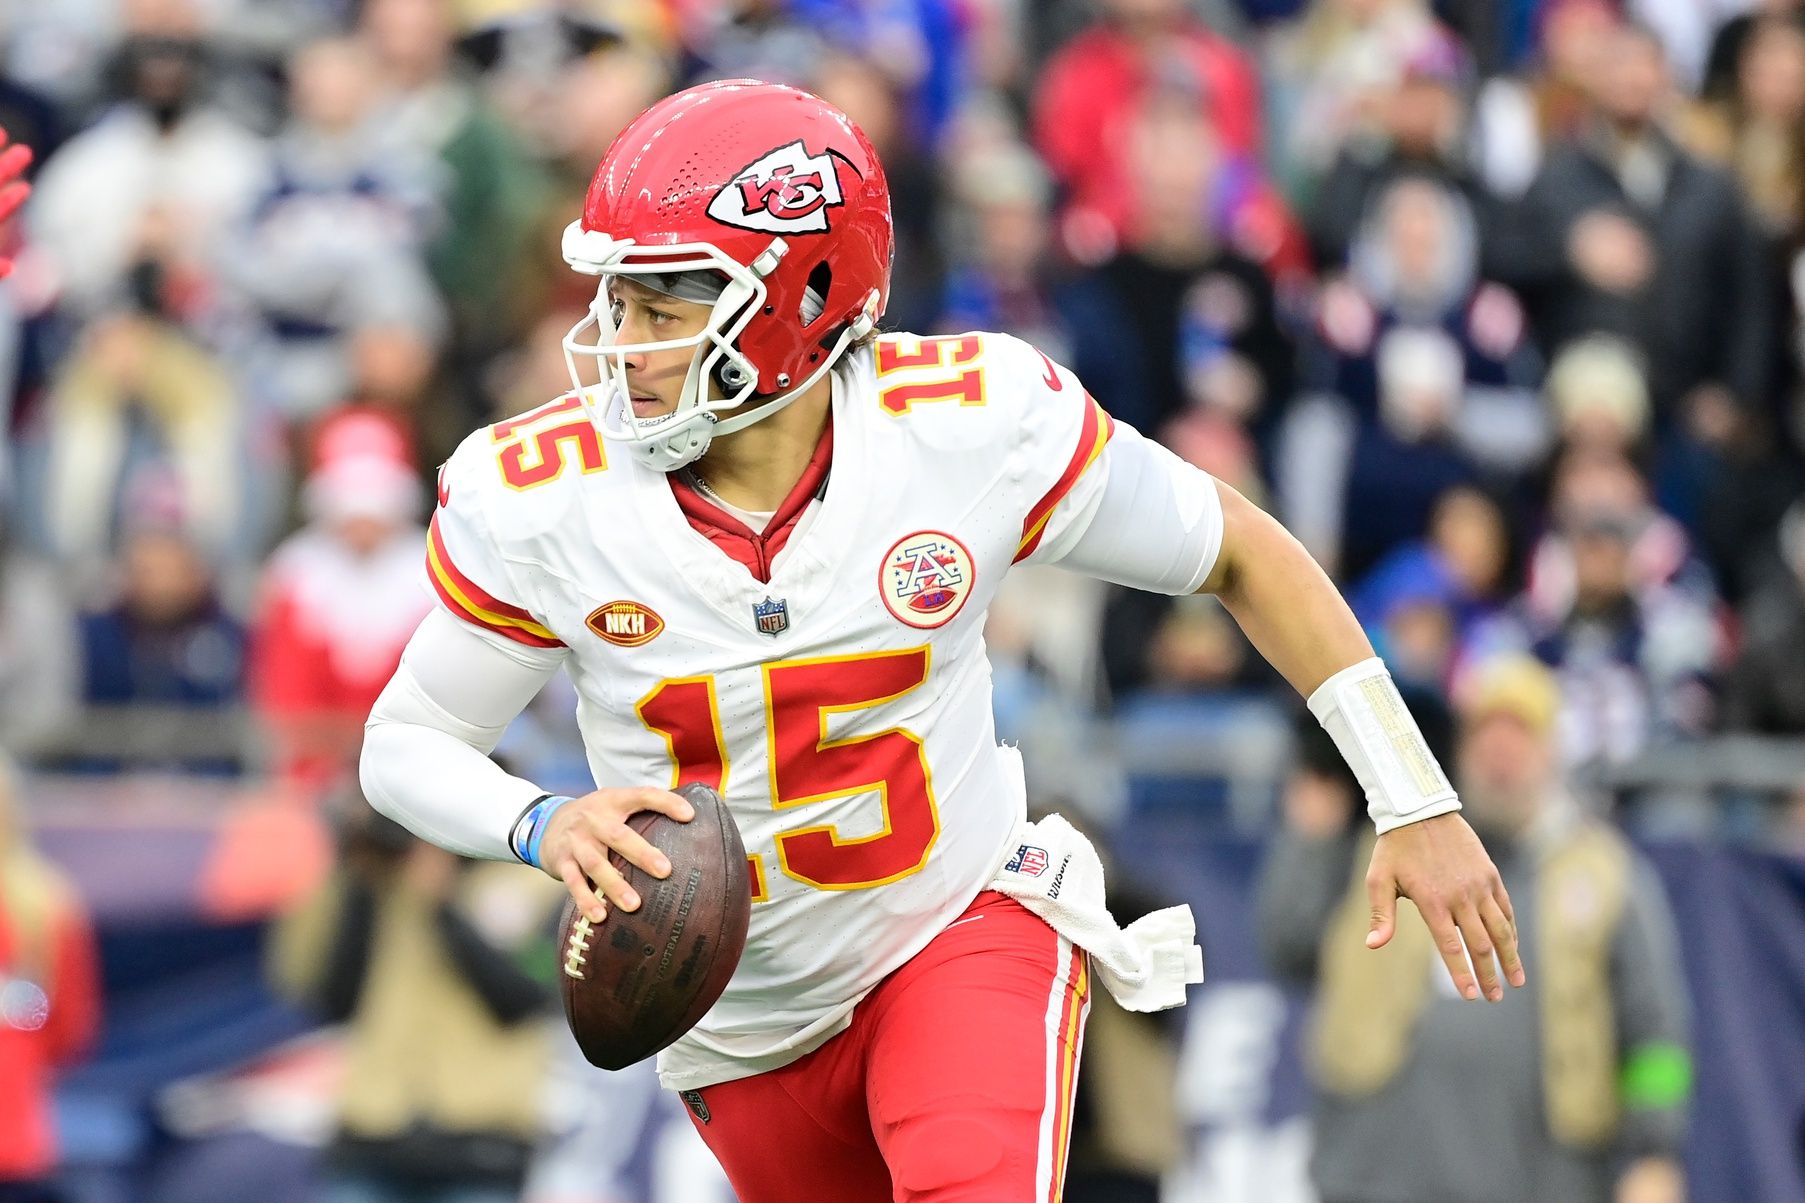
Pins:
x: 529, y: 831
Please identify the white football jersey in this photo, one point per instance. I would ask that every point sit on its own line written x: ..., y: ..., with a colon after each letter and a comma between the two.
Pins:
x: 843, y: 706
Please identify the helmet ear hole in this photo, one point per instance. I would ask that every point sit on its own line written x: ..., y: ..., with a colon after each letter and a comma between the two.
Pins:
x: 731, y: 376
x: 814, y: 296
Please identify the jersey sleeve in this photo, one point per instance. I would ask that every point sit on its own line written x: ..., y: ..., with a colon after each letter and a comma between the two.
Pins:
x: 1063, y: 433
x: 464, y: 559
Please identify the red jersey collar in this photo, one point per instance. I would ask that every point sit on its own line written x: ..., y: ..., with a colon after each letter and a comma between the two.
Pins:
x: 752, y: 548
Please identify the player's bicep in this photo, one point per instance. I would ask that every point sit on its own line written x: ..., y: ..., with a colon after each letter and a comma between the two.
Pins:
x: 1149, y: 519
x: 463, y: 681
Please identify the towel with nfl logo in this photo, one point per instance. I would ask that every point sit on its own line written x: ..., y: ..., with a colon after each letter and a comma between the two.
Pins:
x: 1053, y: 870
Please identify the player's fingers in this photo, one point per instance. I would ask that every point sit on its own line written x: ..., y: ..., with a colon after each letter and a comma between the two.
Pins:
x: 608, y: 881
x: 1453, y: 950
x: 11, y: 197
x: 1382, y: 893
x: 1481, y: 950
x: 1504, y: 938
x: 587, y: 903
x: 1501, y: 896
x: 630, y: 844
x: 666, y: 803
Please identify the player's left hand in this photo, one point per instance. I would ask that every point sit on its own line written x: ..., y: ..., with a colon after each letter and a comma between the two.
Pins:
x: 13, y: 190
x: 1440, y: 865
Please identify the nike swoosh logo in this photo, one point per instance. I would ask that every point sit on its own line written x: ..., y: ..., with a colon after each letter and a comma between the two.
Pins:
x: 957, y: 922
x: 1051, y: 379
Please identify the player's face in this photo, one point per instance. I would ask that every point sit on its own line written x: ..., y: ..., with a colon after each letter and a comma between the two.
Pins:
x: 655, y: 378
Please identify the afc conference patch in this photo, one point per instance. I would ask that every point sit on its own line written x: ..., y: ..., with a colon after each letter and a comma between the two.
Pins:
x: 925, y: 579
x: 1028, y: 861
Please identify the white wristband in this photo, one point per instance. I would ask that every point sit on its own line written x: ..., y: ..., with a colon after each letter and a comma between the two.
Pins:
x: 1360, y: 709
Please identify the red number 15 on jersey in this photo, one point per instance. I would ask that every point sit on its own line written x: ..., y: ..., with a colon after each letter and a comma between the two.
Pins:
x: 807, y: 767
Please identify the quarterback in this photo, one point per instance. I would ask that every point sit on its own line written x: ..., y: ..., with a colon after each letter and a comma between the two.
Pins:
x: 761, y: 538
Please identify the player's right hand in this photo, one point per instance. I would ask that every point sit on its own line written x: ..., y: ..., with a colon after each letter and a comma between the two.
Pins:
x: 580, y: 834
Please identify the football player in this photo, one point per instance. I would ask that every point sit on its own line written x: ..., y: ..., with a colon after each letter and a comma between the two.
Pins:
x: 761, y: 538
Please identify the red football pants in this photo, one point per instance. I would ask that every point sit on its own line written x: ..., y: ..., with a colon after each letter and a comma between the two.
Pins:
x: 953, y: 1084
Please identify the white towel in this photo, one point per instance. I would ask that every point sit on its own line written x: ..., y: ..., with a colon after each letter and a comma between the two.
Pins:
x: 1055, y: 872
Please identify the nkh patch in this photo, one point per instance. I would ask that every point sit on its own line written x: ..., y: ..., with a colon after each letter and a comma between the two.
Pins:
x: 1028, y: 860
x: 772, y: 616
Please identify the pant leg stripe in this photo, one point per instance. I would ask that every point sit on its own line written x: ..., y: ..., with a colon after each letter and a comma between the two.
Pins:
x: 1044, y: 1181
x: 1078, y: 1005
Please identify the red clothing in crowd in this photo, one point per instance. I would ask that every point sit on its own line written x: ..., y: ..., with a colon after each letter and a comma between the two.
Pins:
x: 1092, y: 89
x: 330, y: 636
x: 33, y: 1043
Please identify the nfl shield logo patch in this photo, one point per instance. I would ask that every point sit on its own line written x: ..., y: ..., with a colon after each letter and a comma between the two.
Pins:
x: 1028, y: 860
x: 772, y: 616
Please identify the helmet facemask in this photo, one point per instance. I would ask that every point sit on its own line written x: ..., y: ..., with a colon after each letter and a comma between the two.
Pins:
x: 720, y: 377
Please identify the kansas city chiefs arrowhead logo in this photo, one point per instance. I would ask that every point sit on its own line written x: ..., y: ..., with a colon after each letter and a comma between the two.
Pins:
x: 784, y: 191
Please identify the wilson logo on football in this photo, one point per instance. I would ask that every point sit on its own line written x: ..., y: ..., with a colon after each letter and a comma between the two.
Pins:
x: 784, y: 191
x: 625, y: 623
x: 926, y: 578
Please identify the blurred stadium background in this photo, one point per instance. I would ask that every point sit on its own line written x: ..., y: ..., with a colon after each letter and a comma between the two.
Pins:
x: 1496, y: 302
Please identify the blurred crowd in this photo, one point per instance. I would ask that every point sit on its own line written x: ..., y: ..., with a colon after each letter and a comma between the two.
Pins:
x: 1498, y: 304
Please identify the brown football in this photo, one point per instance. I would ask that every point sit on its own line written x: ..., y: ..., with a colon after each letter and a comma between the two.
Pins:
x: 641, y: 979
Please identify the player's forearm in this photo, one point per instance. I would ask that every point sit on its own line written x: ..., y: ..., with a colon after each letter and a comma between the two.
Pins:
x: 1296, y: 618
x: 425, y: 759
x: 442, y: 789
x: 1286, y: 604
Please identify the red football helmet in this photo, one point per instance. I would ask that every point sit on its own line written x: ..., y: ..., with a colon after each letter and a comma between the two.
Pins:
x: 760, y: 200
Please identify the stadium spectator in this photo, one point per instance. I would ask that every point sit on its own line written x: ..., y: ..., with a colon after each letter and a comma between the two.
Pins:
x: 49, y: 999
x: 1329, y: 76
x: 131, y: 365
x: 335, y: 242
x: 490, y: 191
x: 591, y: 101
x: 1758, y: 129
x: 1001, y: 234
x: 1592, y: 1108
x: 1183, y: 308
x: 163, y: 644
x: 1091, y: 90
x: 861, y: 89
x: 1422, y: 602
x: 746, y: 39
x: 1421, y: 370
x: 1765, y: 690
x: 1621, y: 610
x: 1517, y: 117
x: 1420, y: 129
x: 1724, y: 59
x: 424, y: 958
x: 340, y: 599
x: 1598, y: 395
x: 1627, y: 232
x: 135, y: 202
